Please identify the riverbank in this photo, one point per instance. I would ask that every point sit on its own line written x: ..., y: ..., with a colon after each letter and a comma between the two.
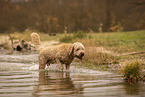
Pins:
x: 106, y: 50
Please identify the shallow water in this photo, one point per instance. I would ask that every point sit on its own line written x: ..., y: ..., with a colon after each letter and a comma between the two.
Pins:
x: 20, y: 77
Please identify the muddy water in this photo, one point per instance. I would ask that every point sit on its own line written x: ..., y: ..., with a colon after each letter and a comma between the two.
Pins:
x: 20, y: 77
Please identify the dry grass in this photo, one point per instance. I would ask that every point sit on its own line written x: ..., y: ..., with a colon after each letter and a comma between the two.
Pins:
x: 93, y: 53
x: 26, y: 36
x: 5, y: 42
x: 97, y: 58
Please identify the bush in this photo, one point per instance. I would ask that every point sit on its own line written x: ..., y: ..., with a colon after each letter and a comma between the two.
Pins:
x: 132, y: 70
x: 69, y: 38
x: 79, y: 35
x: 66, y: 38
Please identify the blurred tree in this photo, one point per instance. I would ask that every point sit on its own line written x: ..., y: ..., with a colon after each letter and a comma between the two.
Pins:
x: 52, y: 16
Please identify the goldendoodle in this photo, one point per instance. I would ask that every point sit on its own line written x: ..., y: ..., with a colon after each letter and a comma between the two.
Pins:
x: 60, y: 54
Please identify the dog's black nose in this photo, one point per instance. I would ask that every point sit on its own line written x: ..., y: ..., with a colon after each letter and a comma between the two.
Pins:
x: 82, y: 54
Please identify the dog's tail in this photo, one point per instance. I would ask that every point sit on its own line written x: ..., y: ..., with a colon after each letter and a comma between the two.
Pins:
x: 36, y: 41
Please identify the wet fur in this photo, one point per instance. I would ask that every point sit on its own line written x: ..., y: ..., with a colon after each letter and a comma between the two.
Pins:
x: 60, y: 54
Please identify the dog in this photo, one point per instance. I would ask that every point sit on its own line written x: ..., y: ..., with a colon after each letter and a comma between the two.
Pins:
x: 60, y: 54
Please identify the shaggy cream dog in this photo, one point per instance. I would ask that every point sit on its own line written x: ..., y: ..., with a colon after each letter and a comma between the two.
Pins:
x: 60, y: 54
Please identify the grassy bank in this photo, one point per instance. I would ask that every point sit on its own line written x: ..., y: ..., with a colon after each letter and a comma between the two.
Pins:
x: 101, y: 48
x: 109, y: 50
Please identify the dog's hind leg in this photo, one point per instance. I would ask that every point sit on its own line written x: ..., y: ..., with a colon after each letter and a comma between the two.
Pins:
x: 48, y: 63
x: 67, y: 67
x: 42, y: 62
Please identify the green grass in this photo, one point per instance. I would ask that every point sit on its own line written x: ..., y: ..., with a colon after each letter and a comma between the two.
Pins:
x: 126, y: 41
x: 120, y: 42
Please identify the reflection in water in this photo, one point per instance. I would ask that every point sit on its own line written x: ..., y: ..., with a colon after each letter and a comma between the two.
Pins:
x: 57, y: 83
x: 133, y: 88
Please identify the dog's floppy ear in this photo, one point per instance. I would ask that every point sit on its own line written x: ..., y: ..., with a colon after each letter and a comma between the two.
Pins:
x: 71, y: 49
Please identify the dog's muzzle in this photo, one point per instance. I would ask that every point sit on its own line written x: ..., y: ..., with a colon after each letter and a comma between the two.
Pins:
x: 80, y: 56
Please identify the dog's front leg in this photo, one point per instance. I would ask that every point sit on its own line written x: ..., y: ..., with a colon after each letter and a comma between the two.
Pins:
x: 59, y: 63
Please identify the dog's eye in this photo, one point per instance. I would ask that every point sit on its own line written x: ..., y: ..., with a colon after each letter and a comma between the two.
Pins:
x: 78, y: 49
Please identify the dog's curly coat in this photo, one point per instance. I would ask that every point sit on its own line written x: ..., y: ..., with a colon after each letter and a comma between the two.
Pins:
x: 61, y: 54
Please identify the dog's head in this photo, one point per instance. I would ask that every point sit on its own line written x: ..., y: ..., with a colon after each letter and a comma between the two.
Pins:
x: 78, y: 50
